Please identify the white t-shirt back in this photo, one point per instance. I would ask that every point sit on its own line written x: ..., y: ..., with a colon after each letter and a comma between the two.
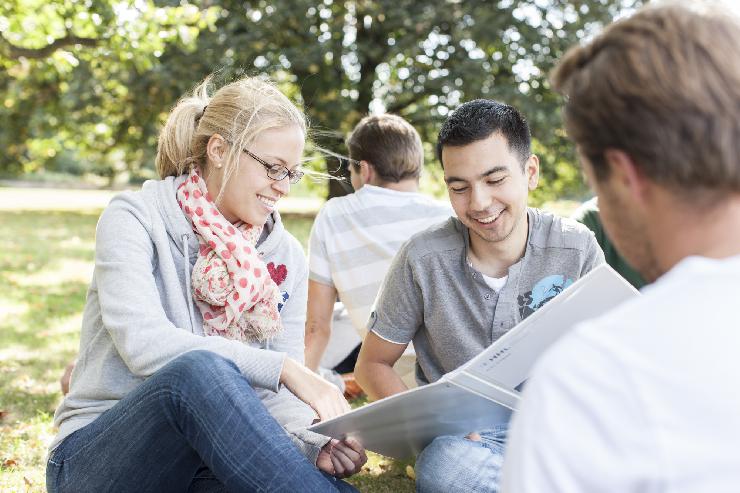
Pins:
x: 355, y: 237
x: 644, y: 398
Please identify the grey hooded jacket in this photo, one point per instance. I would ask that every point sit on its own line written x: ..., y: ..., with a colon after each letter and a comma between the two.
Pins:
x: 140, y: 314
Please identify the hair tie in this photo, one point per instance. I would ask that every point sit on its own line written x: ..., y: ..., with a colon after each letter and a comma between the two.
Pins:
x: 197, y: 118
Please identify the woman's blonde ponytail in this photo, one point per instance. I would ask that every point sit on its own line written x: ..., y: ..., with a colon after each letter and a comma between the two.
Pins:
x: 175, y: 140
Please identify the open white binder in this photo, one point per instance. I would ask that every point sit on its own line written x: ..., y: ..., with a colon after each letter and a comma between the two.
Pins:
x: 483, y: 392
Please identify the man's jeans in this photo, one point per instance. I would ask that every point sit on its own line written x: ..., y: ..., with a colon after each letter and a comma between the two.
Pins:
x: 195, y: 425
x: 450, y: 463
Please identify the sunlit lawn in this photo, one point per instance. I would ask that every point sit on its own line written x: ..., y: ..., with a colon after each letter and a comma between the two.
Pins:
x: 45, y: 267
x: 46, y: 253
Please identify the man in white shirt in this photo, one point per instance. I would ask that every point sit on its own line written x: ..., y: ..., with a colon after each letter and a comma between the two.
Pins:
x: 645, y: 397
x: 355, y: 237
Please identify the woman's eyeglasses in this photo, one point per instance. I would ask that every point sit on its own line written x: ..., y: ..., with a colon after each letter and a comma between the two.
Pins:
x: 278, y: 172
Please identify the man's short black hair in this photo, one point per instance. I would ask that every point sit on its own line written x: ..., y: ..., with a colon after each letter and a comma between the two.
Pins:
x: 478, y: 119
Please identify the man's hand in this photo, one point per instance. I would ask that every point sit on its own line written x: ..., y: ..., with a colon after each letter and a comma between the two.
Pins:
x: 474, y: 436
x: 325, y: 398
x: 342, y: 458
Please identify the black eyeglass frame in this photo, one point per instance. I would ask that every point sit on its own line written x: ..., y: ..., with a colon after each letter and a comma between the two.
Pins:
x: 277, y: 169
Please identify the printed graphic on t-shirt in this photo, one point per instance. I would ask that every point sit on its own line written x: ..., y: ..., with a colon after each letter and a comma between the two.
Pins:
x: 543, y: 291
x: 285, y: 296
x: 277, y: 273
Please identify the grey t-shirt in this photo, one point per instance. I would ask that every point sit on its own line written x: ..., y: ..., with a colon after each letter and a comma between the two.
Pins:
x: 432, y: 296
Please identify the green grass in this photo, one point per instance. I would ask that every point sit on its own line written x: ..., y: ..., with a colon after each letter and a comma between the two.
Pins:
x: 46, y: 254
x: 45, y: 267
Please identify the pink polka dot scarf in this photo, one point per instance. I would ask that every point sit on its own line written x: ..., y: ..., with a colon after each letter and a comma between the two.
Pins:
x: 231, y: 285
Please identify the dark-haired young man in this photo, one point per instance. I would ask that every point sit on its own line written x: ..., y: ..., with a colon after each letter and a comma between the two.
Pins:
x: 457, y: 287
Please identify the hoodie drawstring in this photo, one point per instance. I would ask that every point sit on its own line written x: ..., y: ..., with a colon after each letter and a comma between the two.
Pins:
x: 188, y: 283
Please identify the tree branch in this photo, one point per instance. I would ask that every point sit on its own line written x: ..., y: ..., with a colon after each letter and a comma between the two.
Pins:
x: 400, y: 105
x: 16, y: 52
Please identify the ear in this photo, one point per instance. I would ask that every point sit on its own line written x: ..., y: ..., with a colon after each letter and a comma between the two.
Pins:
x: 624, y: 173
x: 216, y: 150
x: 367, y: 172
x: 532, y: 171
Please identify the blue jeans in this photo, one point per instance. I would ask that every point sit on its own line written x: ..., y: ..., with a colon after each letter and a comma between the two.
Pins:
x: 450, y: 463
x: 195, y: 425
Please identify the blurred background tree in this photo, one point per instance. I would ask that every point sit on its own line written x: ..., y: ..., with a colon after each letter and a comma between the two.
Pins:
x: 86, y: 85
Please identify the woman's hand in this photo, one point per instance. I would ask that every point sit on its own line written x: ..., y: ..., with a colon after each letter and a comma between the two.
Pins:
x: 324, y: 397
x: 342, y: 458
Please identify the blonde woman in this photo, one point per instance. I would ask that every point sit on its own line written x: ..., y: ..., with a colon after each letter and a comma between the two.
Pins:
x: 190, y: 373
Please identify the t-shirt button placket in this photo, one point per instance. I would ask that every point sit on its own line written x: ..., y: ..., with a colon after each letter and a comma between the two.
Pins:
x: 487, y: 296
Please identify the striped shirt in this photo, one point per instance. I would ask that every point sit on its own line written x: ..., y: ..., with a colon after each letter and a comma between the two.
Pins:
x: 355, y: 237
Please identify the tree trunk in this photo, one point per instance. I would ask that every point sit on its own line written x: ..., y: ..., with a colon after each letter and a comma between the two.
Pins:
x: 339, y: 169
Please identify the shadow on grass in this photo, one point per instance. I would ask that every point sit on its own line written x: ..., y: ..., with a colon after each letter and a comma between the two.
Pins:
x: 45, y: 309
x: 383, y: 476
x: 31, y: 241
x: 40, y: 253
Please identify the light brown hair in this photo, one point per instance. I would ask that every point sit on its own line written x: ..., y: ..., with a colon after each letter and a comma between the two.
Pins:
x: 238, y: 111
x: 390, y: 144
x: 663, y: 86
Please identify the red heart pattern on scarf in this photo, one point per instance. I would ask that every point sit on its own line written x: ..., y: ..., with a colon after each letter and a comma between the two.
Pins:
x: 228, y: 271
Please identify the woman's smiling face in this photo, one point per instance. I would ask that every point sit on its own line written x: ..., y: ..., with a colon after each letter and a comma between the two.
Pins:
x: 250, y: 195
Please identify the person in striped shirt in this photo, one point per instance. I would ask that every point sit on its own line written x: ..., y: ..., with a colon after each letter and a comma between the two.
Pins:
x: 355, y: 237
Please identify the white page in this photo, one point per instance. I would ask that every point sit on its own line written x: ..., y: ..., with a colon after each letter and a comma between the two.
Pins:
x: 509, y: 360
x: 479, y: 394
x: 401, y: 426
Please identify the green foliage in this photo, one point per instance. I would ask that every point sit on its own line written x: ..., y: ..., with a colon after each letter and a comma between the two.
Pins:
x: 103, y: 97
x: 68, y: 71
